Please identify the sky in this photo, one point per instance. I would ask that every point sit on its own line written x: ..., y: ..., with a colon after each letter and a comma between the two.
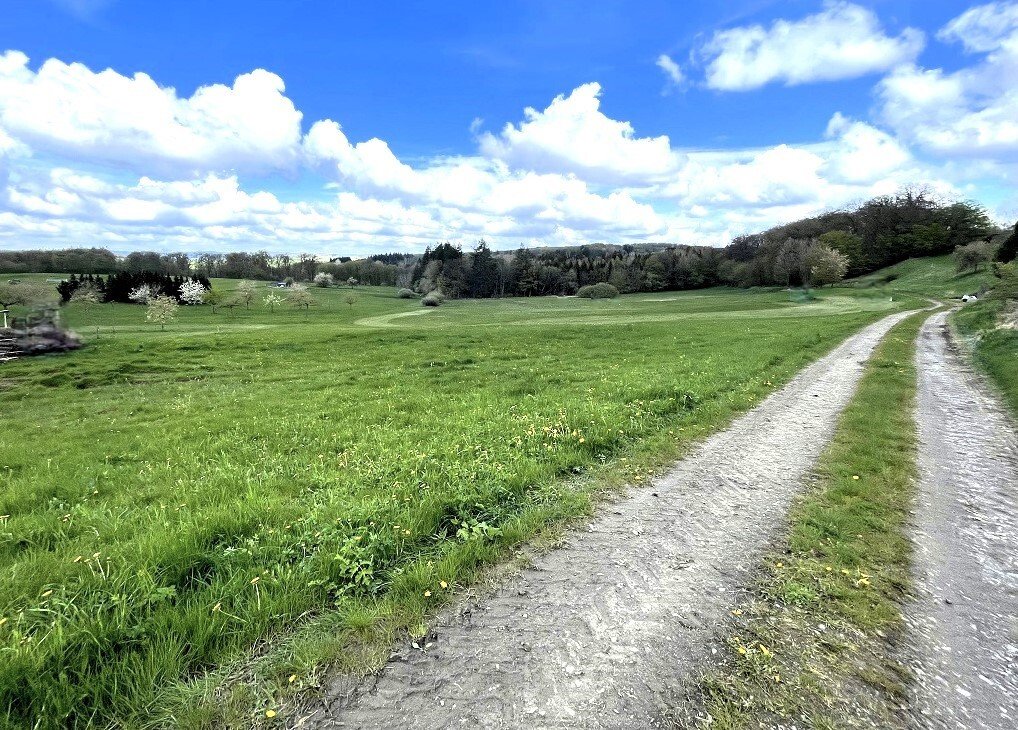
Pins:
x: 358, y: 128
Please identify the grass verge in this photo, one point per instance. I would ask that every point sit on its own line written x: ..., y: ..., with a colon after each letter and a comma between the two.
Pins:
x: 814, y: 645
x: 994, y: 342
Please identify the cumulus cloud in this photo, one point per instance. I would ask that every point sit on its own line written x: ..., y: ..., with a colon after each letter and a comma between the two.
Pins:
x: 70, y: 109
x: 863, y: 153
x: 840, y: 42
x: 475, y: 185
x: 572, y: 135
x: 971, y: 112
x: 567, y: 173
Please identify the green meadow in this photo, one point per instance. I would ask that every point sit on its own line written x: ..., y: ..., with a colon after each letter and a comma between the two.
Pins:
x: 198, y: 522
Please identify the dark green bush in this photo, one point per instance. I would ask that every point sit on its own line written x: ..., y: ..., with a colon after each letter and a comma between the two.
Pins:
x: 598, y: 291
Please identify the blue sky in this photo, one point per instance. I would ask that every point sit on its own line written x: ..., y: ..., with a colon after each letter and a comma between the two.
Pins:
x: 342, y: 128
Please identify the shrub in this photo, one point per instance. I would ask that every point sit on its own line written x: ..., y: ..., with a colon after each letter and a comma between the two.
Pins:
x: 324, y: 280
x: 406, y: 294
x: 598, y: 291
x: 433, y: 299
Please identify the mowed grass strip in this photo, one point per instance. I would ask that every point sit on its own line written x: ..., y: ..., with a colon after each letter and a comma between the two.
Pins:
x: 813, y: 646
x: 174, y: 503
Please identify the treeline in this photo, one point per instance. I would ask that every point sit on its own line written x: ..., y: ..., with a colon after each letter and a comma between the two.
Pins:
x: 813, y: 251
x: 118, y: 287
x: 881, y: 232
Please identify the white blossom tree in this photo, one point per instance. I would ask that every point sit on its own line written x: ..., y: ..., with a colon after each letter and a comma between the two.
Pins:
x: 192, y: 292
x: 324, y: 280
x: 141, y: 294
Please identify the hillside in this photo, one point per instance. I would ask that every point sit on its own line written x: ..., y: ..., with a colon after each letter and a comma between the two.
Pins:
x: 932, y: 276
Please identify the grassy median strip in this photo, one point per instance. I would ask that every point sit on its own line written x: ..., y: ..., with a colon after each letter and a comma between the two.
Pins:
x: 814, y: 645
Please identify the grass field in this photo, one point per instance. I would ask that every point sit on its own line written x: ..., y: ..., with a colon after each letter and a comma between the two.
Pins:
x: 197, y: 521
x: 933, y: 276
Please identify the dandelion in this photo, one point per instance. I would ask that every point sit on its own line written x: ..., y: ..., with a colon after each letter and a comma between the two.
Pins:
x: 742, y: 650
x: 270, y: 714
x: 443, y: 584
x: 255, y: 579
x: 427, y: 594
x: 293, y: 678
x: 855, y: 477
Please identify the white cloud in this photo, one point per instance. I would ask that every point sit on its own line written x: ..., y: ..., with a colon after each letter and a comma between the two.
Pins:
x: 474, y: 185
x: 672, y: 70
x: 566, y: 174
x: 970, y: 112
x: 840, y: 42
x: 863, y: 153
x: 69, y: 109
x: 573, y: 135
x: 982, y: 28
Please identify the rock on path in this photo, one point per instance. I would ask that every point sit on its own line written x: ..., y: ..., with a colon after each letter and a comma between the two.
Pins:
x: 965, y: 620
x: 597, y: 632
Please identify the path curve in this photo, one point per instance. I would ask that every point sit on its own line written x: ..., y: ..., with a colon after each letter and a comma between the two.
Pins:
x: 599, y: 631
x: 965, y: 620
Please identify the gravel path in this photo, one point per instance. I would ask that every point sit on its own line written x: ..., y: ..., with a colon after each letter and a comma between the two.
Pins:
x: 598, y: 631
x: 965, y: 620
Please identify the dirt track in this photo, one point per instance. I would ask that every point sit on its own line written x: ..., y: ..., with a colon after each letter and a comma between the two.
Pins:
x: 965, y: 620
x: 597, y: 632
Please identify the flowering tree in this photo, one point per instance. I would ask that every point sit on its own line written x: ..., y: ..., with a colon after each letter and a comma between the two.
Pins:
x: 826, y: 266
x: 299, y: 296
x: 245, y: 293
x: 324, y: 280
x: 192, y: 292
x: 141, y: 294
x: 272, y: 300
x: 161, y: 310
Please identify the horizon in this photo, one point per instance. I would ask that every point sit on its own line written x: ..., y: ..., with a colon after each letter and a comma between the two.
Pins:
x: 208, y: 130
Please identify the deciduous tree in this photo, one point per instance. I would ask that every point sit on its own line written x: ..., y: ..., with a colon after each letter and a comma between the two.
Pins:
x: 161, y: 310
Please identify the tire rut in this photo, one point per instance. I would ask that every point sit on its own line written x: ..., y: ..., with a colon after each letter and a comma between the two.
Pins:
x: 598, y: 632
x: 964, y: 623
